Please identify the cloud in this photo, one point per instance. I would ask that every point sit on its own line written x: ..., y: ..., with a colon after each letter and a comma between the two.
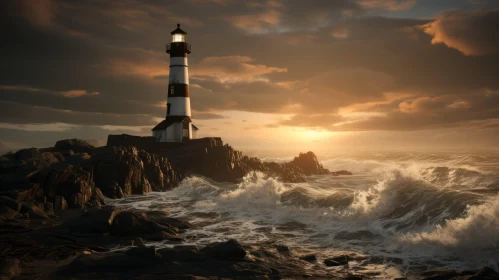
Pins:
x: 206, y: 116
x: 69, y: 93
x: 16, y: 113
x: 473, y: 33
x: 390, y: 5
x: 432, y: 105
x: 232, y: 68
x: 256, y: 22
x: 340, y: 33
x: 40, y: 13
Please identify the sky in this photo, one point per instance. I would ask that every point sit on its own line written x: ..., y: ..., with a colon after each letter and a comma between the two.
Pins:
x: 290, y: 76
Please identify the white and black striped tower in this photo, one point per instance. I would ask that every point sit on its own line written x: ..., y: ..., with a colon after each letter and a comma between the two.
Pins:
x: 179, y: 102
x: 177, y: 125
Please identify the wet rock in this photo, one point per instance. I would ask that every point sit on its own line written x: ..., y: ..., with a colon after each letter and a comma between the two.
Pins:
x: 9, y: 268
x: 163, y: 235
x: 341, y: 172
x: 97, y: 199
x: 75, y: 145
x: 10, y: 203
x: 282, y: 248
x: 142, y: 252
x: 336, y: 261
x: 182, y: 253
x: 309, y: 258
x: 33, y: 211
x: 138, y: 242
x: 162, y: 218
x: 60, y: 203
x: 134, y: 224
x: 485, y: 273
x: 7, y: 213
x: 439, y: 274
x: 94, y: 220
x: 225, y: 250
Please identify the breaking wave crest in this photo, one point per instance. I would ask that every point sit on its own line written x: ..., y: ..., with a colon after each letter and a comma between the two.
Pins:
x: 478, y: 229
x: 420, y: 208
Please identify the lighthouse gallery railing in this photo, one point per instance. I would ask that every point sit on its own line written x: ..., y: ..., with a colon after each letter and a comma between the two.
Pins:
x: 187, y: 47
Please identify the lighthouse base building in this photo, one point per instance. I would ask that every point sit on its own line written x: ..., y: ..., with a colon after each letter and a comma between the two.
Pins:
x: 177, y: 126
x: 175, y: 129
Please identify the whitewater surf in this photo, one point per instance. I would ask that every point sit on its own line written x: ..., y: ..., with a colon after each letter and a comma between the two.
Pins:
x: 407, y: 212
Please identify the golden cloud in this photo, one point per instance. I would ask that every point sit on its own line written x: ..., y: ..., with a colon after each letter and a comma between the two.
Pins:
x: 255, y: 22
x: 472, y: 33
x: 232, y: 69
x: 69, y: 93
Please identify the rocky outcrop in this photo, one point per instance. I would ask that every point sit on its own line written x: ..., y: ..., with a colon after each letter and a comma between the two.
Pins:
x: 75, y: 145
x: 224, y: 163
x: 9, y: 268
x: 122, y: 171
x: 119, y: 171
x: 74, y: 174
x: 308, y: 164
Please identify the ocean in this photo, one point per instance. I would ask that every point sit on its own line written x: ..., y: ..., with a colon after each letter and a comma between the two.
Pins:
x: 399, y: 213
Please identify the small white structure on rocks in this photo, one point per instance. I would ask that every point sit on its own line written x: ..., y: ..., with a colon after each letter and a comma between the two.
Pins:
x: 177, y: 126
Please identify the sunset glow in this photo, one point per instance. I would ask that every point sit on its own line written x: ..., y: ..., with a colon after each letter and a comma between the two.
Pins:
x: 258, y: 72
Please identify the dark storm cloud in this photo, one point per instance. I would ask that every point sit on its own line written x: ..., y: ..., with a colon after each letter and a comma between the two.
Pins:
x: 16, y: 113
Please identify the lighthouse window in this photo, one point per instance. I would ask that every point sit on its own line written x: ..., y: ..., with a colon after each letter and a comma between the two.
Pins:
x: 172, y: 90
x: 178, y: 38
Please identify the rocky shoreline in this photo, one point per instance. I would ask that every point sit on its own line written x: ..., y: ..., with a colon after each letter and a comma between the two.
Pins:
x: 55, y: 222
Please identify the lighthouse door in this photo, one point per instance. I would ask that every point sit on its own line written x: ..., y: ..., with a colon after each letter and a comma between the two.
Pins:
x: 185, y: 129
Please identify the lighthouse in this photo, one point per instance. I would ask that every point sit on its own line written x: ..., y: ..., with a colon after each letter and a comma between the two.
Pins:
x: 177, y: 125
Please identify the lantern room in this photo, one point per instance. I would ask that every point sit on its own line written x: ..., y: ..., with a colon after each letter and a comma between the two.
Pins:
x: 178, y: 35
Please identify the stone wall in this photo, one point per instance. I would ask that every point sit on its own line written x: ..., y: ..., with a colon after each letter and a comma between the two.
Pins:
x: 149, y: 143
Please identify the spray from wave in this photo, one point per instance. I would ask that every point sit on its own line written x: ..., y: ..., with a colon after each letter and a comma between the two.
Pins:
x: 413, y: 207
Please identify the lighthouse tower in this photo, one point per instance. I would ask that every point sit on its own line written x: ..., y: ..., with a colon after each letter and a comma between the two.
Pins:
x: 177, y: 125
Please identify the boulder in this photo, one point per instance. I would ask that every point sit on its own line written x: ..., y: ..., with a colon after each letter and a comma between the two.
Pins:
x: 97, y: 199
x: 75, y: 145
x: 142, y: 252
x: 182, y: 253
x: 134, y: 224
x: 163, y: 235
x: 309, y: 257
x: 7, y: 213
x: 96, y: 220
x: 162, y: 218
x: 225, y: 250
x: 10, y: 203
x: 9, y: 268
x: 60, y: 203
x: 32, y: 211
